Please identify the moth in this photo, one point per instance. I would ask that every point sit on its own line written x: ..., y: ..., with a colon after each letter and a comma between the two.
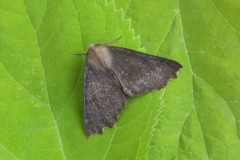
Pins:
x: 114, y: 74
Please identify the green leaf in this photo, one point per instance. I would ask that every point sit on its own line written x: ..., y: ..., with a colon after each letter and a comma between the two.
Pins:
x: 41, y: 80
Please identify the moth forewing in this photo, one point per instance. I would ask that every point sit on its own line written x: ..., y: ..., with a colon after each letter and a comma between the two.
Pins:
x: 112, y: 75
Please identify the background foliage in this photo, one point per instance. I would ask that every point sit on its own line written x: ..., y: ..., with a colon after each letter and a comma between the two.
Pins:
x: 41, y: 80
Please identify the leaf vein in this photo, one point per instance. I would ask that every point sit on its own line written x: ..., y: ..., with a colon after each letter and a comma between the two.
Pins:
x: 20, y: 85
x: 110, y: 143
x: 164, y: 38
x: 8, y: 151
x: 225, y: 20
x: 222, y: 99
x: 127, y: 7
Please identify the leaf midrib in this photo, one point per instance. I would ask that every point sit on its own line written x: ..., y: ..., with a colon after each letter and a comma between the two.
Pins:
x: 44, y: 79
x: 193, y: 100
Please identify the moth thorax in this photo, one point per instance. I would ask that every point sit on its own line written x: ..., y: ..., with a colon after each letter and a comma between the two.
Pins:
x: 99, y: 56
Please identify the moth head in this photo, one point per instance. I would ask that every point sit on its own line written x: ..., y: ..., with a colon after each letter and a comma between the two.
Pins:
x: 99, y: 56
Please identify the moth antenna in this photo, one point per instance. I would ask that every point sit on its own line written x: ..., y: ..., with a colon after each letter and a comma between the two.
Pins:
x: 80, y: 54
x: 113, y: 40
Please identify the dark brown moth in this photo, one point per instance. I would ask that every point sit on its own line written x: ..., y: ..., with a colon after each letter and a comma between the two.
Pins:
x: 113, y: 74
